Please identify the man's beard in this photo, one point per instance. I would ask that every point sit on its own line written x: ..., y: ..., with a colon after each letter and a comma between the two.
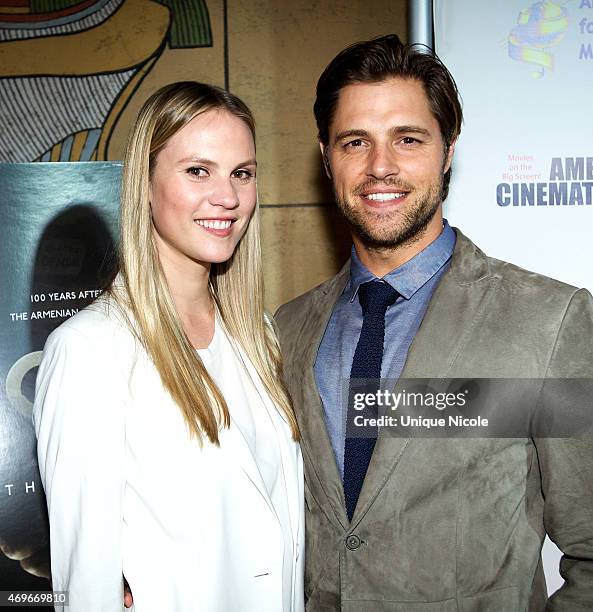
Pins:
x: 390, y: 230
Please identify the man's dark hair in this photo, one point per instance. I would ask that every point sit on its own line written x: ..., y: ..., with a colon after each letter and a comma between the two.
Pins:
x: 376, y: 60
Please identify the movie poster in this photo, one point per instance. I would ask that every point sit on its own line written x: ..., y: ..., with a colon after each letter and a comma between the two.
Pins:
x: 58, y: 235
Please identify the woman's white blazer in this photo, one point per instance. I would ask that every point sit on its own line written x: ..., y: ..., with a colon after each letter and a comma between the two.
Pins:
x: 128, y: 492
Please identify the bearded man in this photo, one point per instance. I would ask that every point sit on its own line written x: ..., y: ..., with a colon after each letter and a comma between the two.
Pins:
x: 409, y: 523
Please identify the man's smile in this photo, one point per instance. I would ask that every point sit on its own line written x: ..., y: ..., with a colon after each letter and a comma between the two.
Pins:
x: 385, y: 197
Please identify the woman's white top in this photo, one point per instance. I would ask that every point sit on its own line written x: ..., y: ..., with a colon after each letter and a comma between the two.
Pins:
x: 192, y: 528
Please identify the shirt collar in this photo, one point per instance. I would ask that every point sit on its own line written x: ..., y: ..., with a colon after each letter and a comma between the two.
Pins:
x: 414, y: 274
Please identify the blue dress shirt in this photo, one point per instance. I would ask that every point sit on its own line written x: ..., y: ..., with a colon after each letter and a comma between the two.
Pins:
x: 415, y: 281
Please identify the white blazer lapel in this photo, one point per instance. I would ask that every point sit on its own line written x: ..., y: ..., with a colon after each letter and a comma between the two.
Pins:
x: 235, y: 439
x: 289, y: 452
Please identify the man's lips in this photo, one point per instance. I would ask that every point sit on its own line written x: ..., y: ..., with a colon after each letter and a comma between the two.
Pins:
x: 379, y: 199
x: 384, y: 196
x: 378, y: 195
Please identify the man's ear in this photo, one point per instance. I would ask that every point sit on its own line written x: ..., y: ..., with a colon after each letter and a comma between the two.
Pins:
x: 449, y: 157
x: 325, y: 157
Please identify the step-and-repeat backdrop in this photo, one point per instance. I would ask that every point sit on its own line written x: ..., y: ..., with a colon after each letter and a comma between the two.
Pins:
x: 522, y: 184
x: 523, y: 172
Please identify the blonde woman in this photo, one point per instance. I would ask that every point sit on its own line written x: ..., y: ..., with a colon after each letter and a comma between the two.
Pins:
x: 167, y: 444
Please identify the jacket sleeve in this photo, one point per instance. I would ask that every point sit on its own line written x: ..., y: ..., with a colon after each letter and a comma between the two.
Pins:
x: 566, y: 464
x: 79, y: 423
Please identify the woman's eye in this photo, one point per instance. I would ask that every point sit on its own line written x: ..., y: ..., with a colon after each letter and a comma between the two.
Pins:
x: 243, y: 175
x: 197, y: 171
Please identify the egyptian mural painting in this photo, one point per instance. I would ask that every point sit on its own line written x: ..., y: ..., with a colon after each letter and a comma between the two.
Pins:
x: 73, y: 75
x: 68, y: 69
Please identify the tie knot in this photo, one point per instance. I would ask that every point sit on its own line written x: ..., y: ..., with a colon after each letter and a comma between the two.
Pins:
x: 376, y: 296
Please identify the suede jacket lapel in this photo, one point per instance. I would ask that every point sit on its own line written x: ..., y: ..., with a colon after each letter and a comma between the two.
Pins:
x: 299, y: 347
x: 451, y: 319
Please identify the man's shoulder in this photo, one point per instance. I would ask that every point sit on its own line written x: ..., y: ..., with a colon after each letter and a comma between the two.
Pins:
x: 299, y: 308
x: 510, y: 277
x: 521, y: 279
x: 298, y: 304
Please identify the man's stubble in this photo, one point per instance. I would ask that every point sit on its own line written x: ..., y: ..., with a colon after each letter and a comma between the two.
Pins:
x: 390, y: 231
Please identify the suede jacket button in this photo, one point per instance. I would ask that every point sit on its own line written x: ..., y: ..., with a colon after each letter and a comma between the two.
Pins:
x: 352, y: 542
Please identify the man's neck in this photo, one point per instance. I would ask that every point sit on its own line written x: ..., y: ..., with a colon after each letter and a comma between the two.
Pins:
x: 381, y: 261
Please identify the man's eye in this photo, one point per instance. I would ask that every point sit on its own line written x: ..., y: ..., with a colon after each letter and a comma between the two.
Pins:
x: 408, y: 140
x: 197, y: 171
x: 357, y: 142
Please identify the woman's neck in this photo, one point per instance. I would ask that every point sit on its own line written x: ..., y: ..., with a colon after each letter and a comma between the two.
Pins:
x: 189, y: 287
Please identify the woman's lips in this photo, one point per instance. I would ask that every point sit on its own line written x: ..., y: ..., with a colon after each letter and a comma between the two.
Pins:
x: 218, y: 227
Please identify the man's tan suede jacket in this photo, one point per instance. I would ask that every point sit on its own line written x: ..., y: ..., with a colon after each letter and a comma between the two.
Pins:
x: 447, y: 525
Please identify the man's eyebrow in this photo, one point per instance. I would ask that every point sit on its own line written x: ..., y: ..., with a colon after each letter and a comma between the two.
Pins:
x: 409, y: 129
x: 351, y: 134
x: 395, y: 131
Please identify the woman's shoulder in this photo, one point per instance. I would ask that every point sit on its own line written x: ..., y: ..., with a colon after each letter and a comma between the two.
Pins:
x: 101, y: 324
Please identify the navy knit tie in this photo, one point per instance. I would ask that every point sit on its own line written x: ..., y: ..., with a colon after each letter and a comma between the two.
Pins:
x: 375, y: 297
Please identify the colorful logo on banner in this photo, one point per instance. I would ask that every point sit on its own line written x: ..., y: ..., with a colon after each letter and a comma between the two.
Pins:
x: 540, y: 27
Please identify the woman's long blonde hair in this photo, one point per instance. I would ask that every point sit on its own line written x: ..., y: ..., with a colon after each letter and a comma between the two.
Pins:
x: 236, y: 285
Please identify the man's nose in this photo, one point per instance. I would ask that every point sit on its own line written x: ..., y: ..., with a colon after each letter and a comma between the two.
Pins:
x: 382, y: 162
